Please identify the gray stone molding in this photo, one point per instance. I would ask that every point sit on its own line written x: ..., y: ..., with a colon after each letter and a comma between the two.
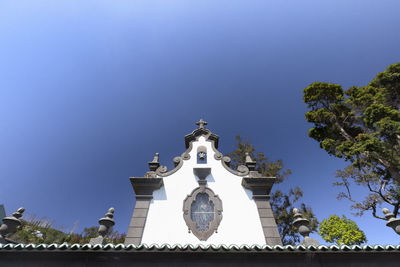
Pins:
x: 242, y: 170
x: 185, y: 155
x: 217, y: 155
x: 213, y: 226
x: 194, y: 136
x: 163, y: 170
x: 202, y: 174
x: 201, y: 131
x: 261, y: 188
x: 201, y: 149
x: 144, y: 188
x: 157, y: 170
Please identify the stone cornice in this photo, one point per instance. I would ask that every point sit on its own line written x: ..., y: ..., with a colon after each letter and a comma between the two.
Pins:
x: 144, y: 187
x: 261, y: 187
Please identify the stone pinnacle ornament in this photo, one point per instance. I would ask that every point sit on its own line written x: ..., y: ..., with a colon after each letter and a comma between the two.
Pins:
x: 106, y: 224
x: 10, y: 224
x: 302, y: 224
x: 393, y: 222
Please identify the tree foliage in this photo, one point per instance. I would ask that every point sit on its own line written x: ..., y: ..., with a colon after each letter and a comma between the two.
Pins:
x: 282, y: 203
x: 361, y: 125
x: 41, y: 231
x: 341, y: 231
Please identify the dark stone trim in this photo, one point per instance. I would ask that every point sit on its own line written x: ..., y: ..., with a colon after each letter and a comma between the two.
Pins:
x: 185, y: 155
x: 202, y: 173
x: 242, y: 170
x: 201, y: 149
x: 261, y: 188
x: 217, y: 155
x: 194, y: 136
x: 144, y: 188
x: 213, y: 227
x: 163, y: 171
x: 178, y: 161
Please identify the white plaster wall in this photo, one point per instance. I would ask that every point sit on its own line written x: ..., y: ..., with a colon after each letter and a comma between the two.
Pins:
x: 240, y: 222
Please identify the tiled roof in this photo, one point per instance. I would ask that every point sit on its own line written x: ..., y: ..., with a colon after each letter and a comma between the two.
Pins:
x: 197, y: 248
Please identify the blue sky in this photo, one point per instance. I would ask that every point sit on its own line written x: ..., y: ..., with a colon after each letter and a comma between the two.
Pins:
x: 90, y: 90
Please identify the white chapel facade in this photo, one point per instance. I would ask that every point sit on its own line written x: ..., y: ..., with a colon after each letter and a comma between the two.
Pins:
x: 202, y: 200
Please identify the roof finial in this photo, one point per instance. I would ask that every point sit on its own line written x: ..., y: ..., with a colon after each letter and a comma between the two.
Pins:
x: 250, y: 163
x: 392, y: 220
x: 303, y: 226
x: 106, y: 224
x: 153, y: 165
x: 201, y: 123
x: 155, y: 159
x: 10, y: 225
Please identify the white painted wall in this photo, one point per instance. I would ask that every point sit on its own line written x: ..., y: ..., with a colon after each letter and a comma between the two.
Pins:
x: 240, y: 222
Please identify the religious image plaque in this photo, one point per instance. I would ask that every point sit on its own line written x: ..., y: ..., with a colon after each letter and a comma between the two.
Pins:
x: 202, y: 211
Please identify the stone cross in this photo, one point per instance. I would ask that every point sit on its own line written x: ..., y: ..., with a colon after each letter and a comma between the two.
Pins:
x: 201, y: 123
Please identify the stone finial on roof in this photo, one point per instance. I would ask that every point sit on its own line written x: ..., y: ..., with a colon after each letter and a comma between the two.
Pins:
x: 11, y: 224
x: 250, y: 163
x: 154, y: 164
x: 302, y: 224
x: 201, y: 123
x: 393, y: 222
x: 106, y: 224
x: 156, y: 156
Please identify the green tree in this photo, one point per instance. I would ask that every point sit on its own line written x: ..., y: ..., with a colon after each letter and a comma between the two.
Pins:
x: 361, y: 125
x: 341, y: 231
x: 282, y: 203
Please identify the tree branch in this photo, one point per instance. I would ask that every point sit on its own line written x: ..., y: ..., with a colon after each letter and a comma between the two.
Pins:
x: 374, y: 213
x: 382, y: 195
x: 343, y: 132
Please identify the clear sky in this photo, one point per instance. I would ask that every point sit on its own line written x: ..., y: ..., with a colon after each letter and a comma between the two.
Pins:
x: 90, y: 90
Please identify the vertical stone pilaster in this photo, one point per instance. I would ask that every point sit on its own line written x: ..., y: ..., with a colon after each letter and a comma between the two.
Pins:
x: 261, y: 187
x: 143, y: 188
x: 270, y: 229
